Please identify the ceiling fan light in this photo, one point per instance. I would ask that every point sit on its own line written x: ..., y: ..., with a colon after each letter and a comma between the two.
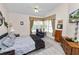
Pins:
x: 36, y: 11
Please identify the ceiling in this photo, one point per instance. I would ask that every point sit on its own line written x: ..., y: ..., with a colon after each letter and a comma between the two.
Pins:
x: 27, y: 8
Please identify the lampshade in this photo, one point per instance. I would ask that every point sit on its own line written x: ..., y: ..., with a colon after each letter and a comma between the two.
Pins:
x: 11, y: 29
x: 36, y: 9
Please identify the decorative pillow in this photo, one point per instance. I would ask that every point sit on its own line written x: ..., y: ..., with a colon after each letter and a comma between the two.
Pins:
x: 11, y: 35
x: 8, y: 42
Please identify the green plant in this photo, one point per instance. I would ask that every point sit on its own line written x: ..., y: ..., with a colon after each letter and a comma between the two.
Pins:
x: 75, y: 15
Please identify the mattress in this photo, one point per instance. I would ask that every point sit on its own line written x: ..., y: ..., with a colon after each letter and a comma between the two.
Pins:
x: 2, y: 46
x: 22, y: 45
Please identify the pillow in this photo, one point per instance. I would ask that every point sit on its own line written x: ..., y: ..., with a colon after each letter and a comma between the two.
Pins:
x: 8, y: 42
x: 11, y: 35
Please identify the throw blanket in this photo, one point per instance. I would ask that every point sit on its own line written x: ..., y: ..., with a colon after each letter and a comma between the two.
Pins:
x: 25, y: 45
x: 22, y: 45
x: 38, y: 42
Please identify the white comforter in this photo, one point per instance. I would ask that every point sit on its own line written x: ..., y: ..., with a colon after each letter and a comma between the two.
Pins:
x: 22, y: 45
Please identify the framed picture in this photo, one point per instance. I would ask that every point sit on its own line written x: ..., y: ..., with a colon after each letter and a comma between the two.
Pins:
x: 59, y: 26
x: 21, y: 23
x: 74, y: 16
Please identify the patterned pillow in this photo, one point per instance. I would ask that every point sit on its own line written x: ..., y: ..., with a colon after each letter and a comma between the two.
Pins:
x: 11, y: 35
x: 8, y: 42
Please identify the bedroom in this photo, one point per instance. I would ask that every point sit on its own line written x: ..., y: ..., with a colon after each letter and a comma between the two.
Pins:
x: 24, y: 19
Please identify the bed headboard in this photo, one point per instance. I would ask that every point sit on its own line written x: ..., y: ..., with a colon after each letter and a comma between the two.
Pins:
x: 5, y: 34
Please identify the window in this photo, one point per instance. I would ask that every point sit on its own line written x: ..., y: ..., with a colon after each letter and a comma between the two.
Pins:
x: 37, y: 25
x: 46, y: 25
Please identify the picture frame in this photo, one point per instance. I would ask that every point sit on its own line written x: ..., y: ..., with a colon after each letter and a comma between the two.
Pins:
x: 21, y: 23
x: 74, y: 16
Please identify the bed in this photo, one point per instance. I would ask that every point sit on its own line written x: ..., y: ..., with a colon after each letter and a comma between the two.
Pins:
x: 23, y: 45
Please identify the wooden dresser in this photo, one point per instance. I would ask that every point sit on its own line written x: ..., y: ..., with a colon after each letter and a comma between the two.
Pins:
x: 58, y: 35
x: 70, y: 48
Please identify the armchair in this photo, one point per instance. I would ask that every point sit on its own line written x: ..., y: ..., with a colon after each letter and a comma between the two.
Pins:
x: 40, y: 33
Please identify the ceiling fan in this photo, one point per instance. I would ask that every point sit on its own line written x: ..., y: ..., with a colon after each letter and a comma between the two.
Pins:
x: 36, y: 9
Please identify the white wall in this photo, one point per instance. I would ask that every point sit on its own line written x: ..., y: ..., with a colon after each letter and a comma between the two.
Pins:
x: 61, y: 14
x: 71, y: 27
x: 14, y: 20
x: 3, y: 29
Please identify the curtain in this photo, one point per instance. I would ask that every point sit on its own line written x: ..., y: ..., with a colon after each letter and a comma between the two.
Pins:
x: 32, y: 19
x: 53, y: 25
x: 52, y: 18
x: 31, y: 24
